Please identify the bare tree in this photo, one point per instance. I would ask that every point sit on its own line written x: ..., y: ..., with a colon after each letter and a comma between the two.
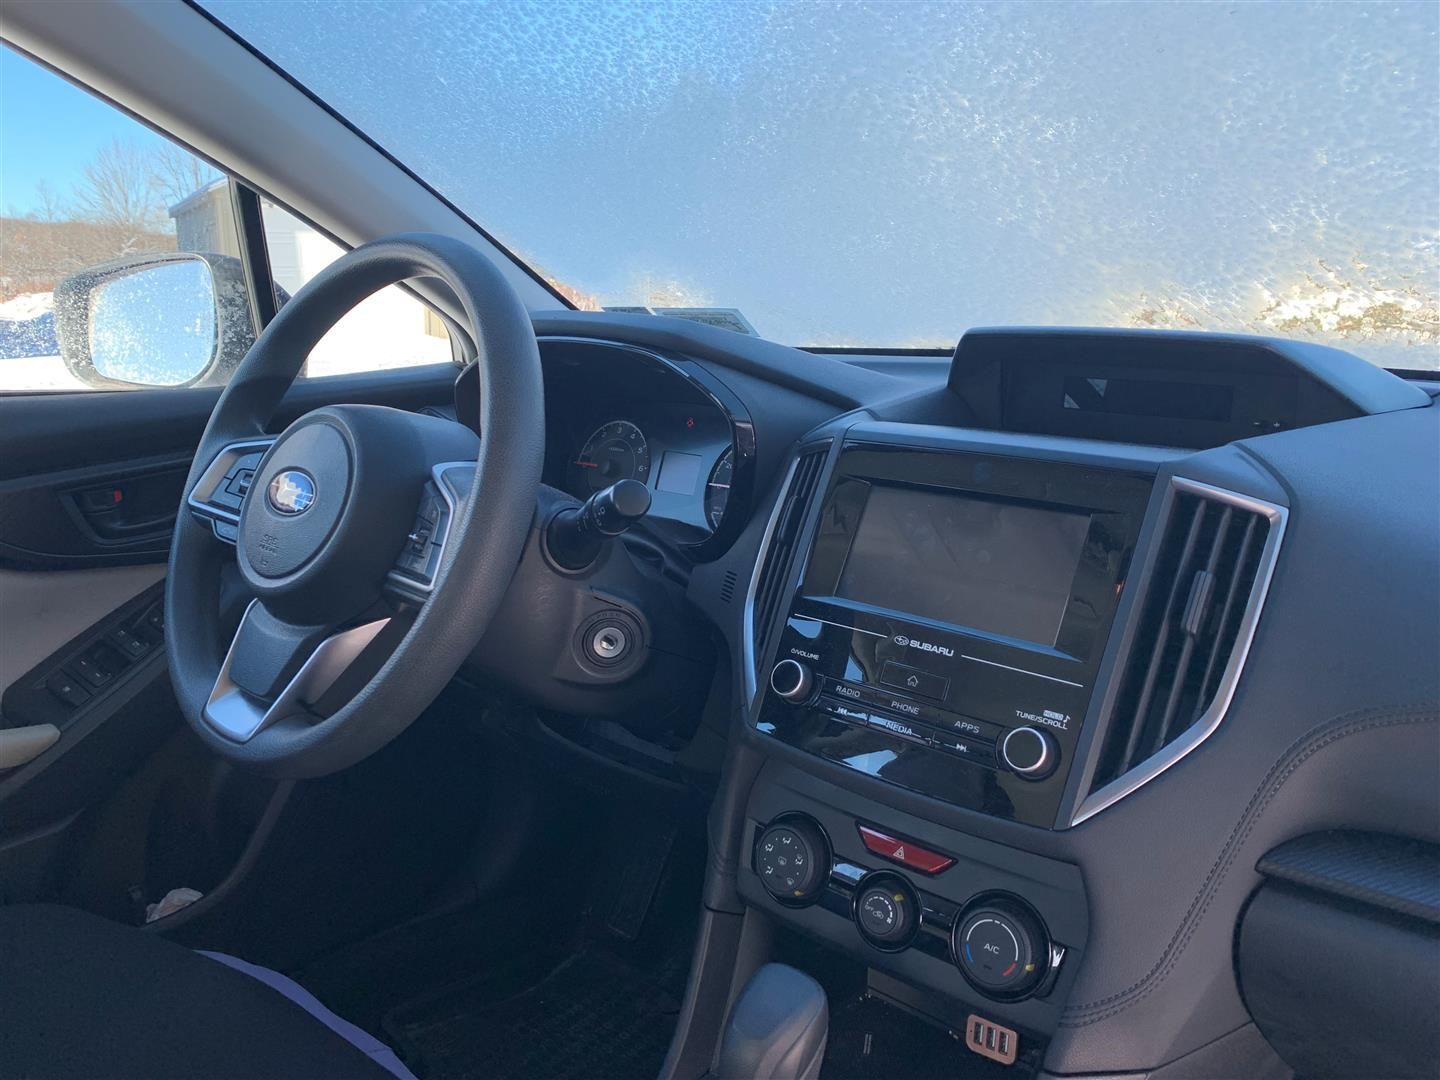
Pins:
x: 176, y: 174
x: 49, y: 206
x: 118, y: 192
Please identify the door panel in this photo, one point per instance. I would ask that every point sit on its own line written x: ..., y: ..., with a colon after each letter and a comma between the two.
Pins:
x: 45, y: 609
x: 73, y: 572
x: 64, y: 458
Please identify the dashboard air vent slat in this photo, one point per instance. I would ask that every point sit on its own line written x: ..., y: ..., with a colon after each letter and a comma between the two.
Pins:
x: 775, y: 570
x: 1216, y: 551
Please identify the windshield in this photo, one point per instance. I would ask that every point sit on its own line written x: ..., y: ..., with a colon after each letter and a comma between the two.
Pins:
x: 887, y: 175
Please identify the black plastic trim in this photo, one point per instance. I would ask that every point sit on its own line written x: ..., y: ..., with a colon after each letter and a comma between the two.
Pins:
x: 1393, y: 873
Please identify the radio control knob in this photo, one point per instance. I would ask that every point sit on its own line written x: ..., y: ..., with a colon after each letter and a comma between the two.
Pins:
x: 792, y: 680
x: 1029, y: 753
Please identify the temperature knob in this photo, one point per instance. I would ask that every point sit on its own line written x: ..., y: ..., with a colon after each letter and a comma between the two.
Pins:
x: 792, y: 860
x: 1029, y: 753
x: 1001, y: 947
x: 792, y: 680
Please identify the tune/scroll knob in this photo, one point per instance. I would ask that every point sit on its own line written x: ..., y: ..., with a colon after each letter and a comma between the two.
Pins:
x: 1030, y: 753
x: 792, y: 680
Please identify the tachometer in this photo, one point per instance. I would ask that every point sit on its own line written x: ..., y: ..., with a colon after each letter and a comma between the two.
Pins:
x: 617, y: 451
x: 717, y: 488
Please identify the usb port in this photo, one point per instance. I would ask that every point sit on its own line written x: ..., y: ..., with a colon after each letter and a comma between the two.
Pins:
x: 991, y: 1040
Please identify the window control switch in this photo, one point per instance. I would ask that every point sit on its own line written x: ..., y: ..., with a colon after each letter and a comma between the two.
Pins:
x: 128, y: 642
x: 67, y: 689
x: 92, y: 669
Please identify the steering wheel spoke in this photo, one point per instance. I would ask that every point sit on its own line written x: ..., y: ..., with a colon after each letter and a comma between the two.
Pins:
x: 275, y: 670
x: 219, y: 495
x: 442, y: 500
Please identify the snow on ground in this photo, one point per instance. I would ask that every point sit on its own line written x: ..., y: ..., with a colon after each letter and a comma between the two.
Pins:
x: 27, y: 306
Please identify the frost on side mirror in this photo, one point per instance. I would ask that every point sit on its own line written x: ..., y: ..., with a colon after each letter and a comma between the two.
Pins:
x: 170, y: 319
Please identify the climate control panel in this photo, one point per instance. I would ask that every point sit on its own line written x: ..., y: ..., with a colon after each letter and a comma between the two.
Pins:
x: 792, y: 858
x: 996, y: 940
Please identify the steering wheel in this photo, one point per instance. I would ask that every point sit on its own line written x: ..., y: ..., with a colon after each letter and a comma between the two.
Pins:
x: 378, y: 543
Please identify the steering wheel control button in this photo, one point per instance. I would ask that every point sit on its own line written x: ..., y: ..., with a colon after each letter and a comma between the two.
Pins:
x: 887, y: 911
x: 1029, y: 753
x: 1001, y: 947
x: 792, y: 860
x: 913, y: 680
x: 792, y: 681
x: 904, y: 852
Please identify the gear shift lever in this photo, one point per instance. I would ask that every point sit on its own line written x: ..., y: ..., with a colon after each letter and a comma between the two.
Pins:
x: 777, y: 1028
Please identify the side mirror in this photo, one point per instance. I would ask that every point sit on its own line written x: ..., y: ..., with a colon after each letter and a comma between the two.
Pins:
x: 169, y: 319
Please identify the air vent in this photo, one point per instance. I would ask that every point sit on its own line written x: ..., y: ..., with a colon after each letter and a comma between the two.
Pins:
x: 768, y: 591
x: 727, y: 586
x: 1196, y: 620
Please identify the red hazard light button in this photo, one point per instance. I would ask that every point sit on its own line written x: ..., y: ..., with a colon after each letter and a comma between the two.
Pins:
x: 903, y: 851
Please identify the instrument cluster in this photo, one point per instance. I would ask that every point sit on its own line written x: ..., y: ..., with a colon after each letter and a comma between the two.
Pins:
x: 616, y: 412
x: 620, y: 413
x: 684, y: 456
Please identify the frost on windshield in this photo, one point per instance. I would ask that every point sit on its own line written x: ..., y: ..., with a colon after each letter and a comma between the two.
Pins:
x: 891, y: 174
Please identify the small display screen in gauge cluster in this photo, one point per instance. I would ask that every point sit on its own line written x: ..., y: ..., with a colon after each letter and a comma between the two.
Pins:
x: 679, y: 472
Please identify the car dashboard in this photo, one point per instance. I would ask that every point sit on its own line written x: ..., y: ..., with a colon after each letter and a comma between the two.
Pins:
x: 1041, y: 653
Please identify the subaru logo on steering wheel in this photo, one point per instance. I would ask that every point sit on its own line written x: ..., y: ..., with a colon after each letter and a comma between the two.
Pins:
x: 291, y: 492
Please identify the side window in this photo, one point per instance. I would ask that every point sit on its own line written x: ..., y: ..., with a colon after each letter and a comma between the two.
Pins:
x: 120, y: 258
x: 390, y: 329
x: 119, y: 261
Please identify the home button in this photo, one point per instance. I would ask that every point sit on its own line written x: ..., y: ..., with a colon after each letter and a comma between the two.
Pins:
x: 913, y: 680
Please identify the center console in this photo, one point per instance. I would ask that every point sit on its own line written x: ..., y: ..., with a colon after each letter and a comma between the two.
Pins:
x: 940, y: 631
x: 948, y: 627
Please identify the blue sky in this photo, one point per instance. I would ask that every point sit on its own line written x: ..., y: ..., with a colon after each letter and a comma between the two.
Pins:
x: 888, y: 173
x: 49, y: 131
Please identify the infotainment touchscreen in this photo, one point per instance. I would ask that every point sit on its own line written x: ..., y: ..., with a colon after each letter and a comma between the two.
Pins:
x: 949, y: 626
x: 1001, y: 567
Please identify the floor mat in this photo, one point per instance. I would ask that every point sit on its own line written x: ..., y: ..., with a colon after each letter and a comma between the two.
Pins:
x: 597, y: 1016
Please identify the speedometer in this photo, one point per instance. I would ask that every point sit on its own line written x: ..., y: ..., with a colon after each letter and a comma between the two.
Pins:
x: 717, y: 488
x: 617, y: 451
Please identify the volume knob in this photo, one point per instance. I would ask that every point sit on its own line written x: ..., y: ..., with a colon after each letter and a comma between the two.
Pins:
x: 1029, y: 753
x: 792, y: 680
